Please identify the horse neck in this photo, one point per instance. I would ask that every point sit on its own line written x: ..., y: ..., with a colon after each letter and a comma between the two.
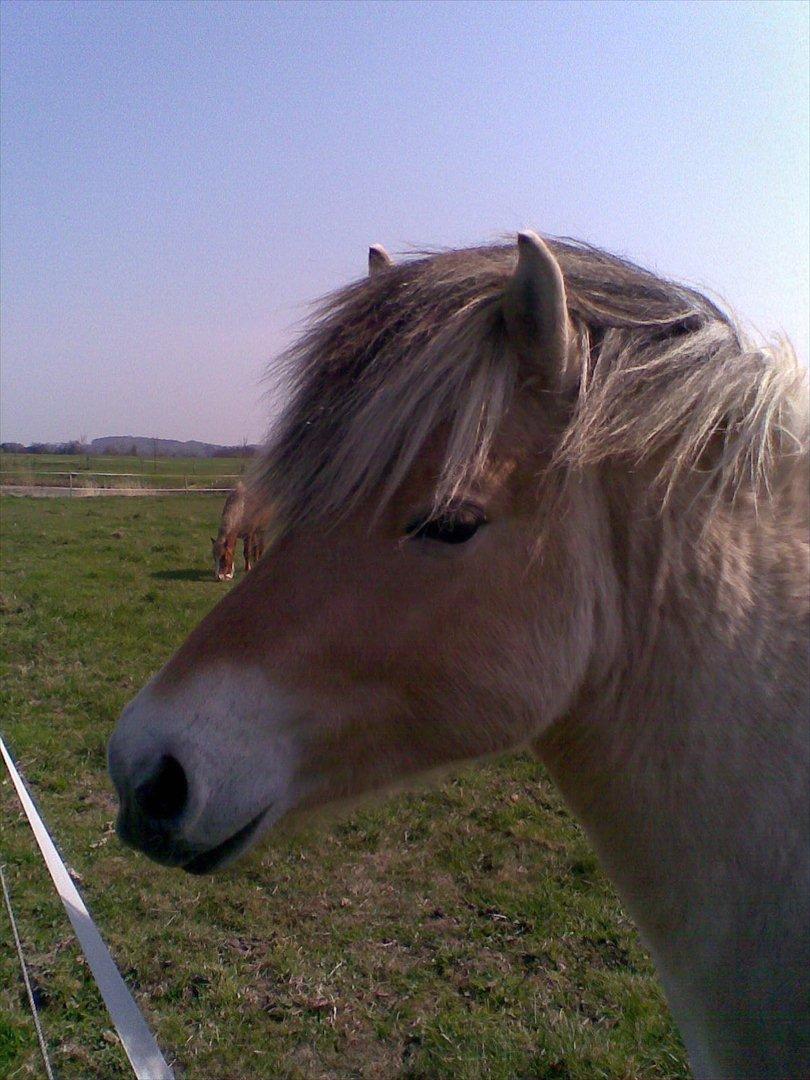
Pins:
x: 687, y: 762
x: 233, y: 512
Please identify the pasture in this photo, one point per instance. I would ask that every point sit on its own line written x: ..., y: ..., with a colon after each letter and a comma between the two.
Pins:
x: 461, y: 931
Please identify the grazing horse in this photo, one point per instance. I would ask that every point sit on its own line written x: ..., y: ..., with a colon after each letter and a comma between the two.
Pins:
x: 242, y: 520
x: 529, y: 495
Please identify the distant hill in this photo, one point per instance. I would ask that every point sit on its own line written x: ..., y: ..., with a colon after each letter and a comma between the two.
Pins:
x: 143, y: 446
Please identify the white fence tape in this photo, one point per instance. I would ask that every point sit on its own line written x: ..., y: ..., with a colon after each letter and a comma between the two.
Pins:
x: 145, y: 1057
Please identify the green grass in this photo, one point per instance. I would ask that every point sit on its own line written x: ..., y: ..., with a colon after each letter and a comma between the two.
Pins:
x: 44, y: 469
x: 461, y: 932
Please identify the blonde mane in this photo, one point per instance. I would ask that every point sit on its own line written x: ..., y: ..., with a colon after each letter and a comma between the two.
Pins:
x: 665, y: 376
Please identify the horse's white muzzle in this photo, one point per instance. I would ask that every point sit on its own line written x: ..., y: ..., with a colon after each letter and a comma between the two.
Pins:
x: 203, y: 769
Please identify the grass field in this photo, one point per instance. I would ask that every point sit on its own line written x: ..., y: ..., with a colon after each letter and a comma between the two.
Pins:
x: 109, y: 470
x: 462, y: 932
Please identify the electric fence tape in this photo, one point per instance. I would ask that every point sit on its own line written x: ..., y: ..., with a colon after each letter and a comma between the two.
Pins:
x: 139, y: 1044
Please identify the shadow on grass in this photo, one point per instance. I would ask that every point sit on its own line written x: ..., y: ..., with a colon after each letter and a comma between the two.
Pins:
x: 192, y: 573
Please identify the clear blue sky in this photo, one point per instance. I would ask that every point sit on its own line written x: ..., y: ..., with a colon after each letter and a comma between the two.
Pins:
x: 180, y: 179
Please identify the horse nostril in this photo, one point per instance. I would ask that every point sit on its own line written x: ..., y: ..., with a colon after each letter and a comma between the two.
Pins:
x: 164, y: 795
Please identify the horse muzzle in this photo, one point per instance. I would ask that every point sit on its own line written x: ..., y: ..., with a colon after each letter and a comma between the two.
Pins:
x: 191, y: 793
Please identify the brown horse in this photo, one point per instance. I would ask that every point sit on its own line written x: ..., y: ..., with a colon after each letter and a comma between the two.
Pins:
x: 529, y: 495
x: 242, y: 520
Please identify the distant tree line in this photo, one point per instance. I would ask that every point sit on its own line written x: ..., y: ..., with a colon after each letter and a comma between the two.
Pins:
x: 72, y: 447
x: 76, y: 446
x: 234, y: 451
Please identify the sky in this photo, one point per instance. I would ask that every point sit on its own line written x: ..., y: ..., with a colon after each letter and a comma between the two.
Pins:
x: 178, y: 181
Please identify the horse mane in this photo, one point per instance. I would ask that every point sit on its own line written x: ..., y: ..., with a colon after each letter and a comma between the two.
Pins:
x: 667, y: 376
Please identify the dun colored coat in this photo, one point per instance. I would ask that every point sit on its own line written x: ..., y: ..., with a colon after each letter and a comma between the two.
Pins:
x: 529, y: 495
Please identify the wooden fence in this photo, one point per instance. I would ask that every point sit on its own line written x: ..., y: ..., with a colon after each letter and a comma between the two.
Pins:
x: 84, y: 482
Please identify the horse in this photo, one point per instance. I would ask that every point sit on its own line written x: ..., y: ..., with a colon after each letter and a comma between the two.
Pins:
x: 242, y: 520
x: 530, y: 495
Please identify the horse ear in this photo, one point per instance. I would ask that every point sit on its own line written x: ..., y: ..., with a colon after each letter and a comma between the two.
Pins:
x: 536, y: 313
x: 378, y: 260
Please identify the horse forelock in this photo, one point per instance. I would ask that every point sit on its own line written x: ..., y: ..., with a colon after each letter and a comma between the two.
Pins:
x: 388, y: 360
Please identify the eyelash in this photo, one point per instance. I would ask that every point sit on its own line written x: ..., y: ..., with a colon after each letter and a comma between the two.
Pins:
x: 451, y: 527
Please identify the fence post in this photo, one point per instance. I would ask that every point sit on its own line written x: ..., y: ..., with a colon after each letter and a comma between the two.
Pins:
x: 70, y: 482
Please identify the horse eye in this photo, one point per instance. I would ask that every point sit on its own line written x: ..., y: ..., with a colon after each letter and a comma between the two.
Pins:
x: 451, y: 527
